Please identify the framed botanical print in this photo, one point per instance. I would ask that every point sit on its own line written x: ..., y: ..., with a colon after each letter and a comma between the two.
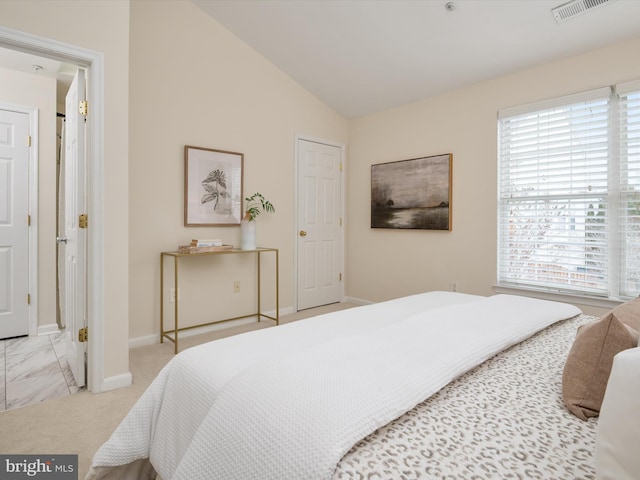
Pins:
x: 212, y: 187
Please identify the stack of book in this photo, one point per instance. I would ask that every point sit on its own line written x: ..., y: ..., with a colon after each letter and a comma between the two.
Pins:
x: 204, y: 245
x: 199, y: 242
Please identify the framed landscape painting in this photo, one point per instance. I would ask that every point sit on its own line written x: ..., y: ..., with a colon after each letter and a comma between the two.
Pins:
x: 412, y: 194
x: 212, y: 187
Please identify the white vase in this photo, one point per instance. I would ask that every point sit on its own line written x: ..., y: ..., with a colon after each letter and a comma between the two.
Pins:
x: 248, y: 235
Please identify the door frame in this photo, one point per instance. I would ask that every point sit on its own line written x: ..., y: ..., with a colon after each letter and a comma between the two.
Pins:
x: 296, y: 194
x: 93, y: 62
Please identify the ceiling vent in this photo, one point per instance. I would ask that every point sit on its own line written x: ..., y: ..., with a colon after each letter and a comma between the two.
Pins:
x: 574, y: 8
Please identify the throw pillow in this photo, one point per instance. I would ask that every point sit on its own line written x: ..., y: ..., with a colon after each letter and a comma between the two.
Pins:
x: 629, y: 313
x: 589, y: 362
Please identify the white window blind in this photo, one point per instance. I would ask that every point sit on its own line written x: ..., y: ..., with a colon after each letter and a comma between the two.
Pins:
x: 629, y: 145
x: 569, y: 194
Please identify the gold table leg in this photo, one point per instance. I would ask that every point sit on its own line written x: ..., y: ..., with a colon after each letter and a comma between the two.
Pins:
x: 176, y: 255
x: 175, y: 308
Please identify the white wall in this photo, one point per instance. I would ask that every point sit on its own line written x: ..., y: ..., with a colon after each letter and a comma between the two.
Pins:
x: 384, y: 264
x: 194, y: 83
x: 17, y: 88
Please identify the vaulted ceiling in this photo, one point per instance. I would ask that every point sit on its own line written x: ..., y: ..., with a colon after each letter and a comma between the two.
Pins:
x: 361, y: 56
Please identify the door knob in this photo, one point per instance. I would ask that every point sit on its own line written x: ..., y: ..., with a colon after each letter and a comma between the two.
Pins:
x: 61, y: 240
x: 303, y: 233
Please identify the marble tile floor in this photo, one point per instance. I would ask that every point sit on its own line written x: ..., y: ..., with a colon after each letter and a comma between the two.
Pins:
x: 32, y: 370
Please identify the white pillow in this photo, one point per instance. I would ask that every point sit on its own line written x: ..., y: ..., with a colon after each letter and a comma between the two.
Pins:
x: 618, y: 433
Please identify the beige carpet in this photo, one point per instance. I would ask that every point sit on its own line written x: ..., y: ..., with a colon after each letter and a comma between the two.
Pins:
x: 80, y: 423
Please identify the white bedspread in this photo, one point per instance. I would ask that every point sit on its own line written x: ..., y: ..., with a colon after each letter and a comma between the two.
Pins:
x: 289, y: 402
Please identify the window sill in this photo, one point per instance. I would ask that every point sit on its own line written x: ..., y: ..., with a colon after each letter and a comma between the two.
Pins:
x: 561, y: 297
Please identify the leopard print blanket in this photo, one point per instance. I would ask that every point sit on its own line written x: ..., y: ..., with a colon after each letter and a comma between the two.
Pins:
x: 503, y: 420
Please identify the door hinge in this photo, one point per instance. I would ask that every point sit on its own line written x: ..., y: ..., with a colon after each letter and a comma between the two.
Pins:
x: 340, y: 221
x: 28, y: 220
x: 28, y: 140
x: 83, y: 220
x: 84, y: 108
x: 340, y: 276
x: 83, y: 334
x: 340, y: 166
x: 28, y: 299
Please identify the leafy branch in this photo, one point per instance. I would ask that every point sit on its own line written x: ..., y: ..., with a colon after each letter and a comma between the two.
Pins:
x: 257, y: 204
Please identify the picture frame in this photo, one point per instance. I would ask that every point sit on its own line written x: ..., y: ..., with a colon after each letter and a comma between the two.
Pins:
x: 412, y: 194
x: 213, y: 184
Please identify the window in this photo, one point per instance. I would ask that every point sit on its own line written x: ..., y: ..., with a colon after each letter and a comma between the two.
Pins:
x: 569, y: 194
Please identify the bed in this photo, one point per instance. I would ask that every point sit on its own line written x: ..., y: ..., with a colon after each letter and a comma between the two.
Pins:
x: 438, y: 385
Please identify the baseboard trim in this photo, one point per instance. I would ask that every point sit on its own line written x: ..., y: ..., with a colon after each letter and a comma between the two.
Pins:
x: 358, y: 301
x: 117, y: 381
x: 48, y: 329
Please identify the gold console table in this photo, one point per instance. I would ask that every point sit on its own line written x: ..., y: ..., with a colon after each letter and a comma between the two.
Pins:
x: 176, y: 257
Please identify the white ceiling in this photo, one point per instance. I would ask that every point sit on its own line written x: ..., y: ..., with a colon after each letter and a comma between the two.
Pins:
x: 46, y: 67
x: 361, y: 56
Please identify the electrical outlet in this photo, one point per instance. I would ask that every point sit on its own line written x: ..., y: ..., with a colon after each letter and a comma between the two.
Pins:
x: 236, y: 286
x: 172, y: 295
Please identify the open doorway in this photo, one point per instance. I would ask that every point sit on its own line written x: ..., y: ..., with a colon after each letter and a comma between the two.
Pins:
x: 93, y: 63
x: 33, y: 332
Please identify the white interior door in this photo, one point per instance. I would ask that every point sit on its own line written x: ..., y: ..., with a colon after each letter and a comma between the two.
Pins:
x: 14, y: 227
x: 320, y: 239
x: 74, y: 238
